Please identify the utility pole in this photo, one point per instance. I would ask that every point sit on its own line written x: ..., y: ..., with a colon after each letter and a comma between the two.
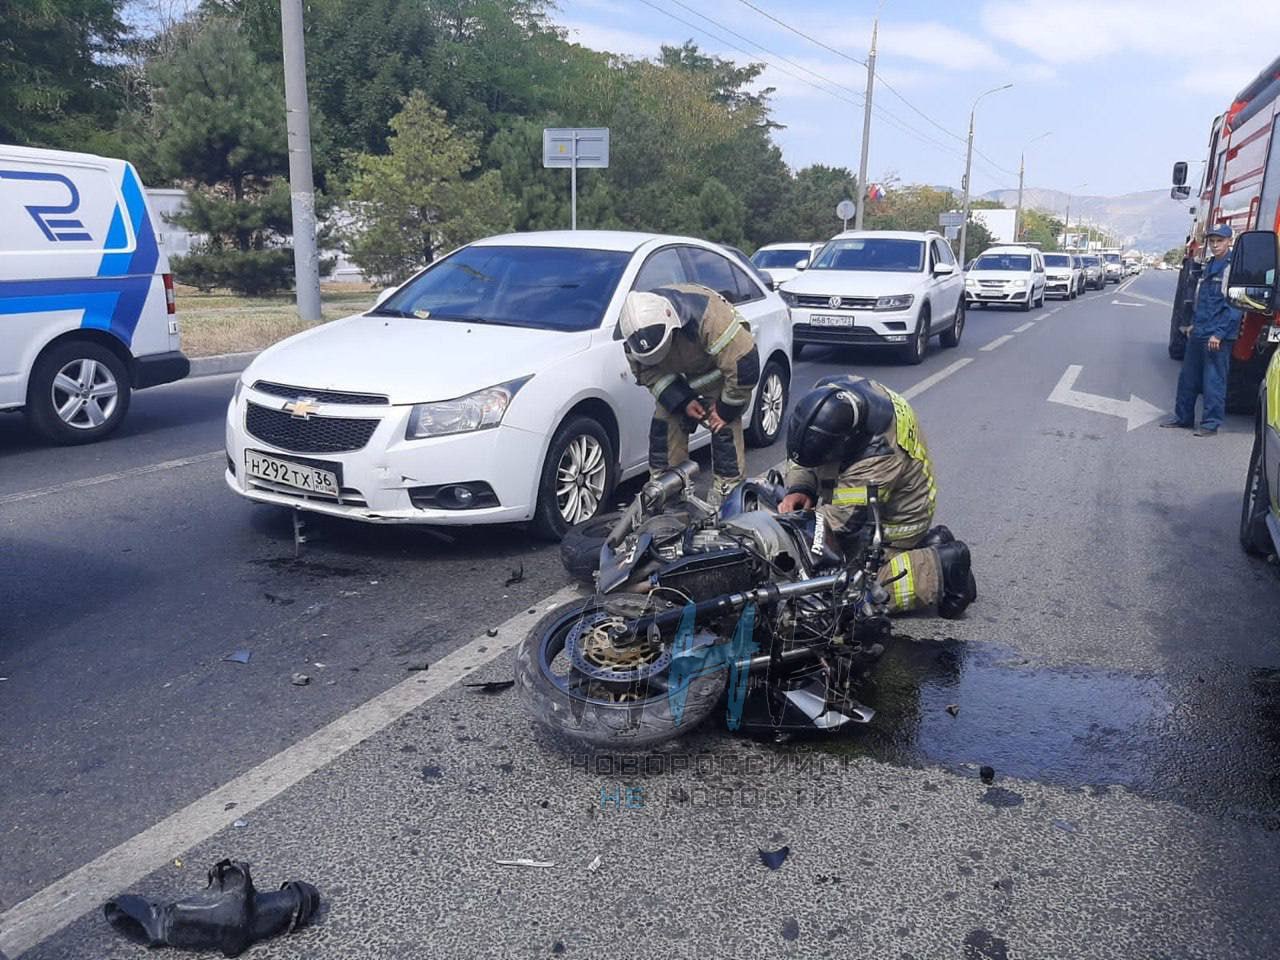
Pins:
x: 306, y: 260
x: 1022, y: 166
x: 968, y: 166
x: 866, y: 126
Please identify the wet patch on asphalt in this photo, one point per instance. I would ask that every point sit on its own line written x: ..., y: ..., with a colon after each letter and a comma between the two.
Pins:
x: 1207, y: 737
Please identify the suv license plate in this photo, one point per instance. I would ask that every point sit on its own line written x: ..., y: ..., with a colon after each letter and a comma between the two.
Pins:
x: 297, y: 475
x: 828, y: 321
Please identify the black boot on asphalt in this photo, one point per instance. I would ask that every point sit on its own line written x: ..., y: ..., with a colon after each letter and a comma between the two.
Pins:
x: 1171, y: 422
x: 959, y: 589
x: 937, y: 536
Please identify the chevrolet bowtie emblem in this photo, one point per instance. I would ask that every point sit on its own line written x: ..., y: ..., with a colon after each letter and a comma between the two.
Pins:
x: 302, y: 408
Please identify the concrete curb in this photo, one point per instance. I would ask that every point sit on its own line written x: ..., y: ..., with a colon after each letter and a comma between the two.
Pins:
x: 220, y: 363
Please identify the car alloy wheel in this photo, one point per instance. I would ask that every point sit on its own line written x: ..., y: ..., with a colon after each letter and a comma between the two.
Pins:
x: 771, y: 397
x: 580, y: 479
x: 85, y: 394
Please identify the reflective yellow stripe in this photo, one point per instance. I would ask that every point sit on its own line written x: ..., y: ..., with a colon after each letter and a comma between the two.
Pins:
x: 900, y: 531
x: 725, y: 338
x: 904, y: 588
x: 705, y: 379
x: 662, y: 383
x: 849, y: 497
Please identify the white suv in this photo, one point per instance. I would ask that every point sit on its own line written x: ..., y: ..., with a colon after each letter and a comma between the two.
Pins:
x: 784, y: 261
x: 1007, y: 274
x: 879, y: 288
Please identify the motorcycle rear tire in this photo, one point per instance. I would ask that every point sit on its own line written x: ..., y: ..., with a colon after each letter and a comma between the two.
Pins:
x: 580, y: 548
x: 612, y: 726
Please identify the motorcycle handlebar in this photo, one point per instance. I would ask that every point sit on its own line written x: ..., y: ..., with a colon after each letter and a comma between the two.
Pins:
x: 653, y: 496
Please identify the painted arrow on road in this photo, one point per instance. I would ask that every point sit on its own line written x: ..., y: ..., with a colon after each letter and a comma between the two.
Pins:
x: 1136, y: 411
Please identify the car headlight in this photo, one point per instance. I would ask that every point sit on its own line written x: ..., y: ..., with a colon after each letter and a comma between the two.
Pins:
x: 790, y: 299
x: 971, y: 284
x: 900, y: 302
x: 482, y: 410
x: 1017, y: 284
x: 235, y: 396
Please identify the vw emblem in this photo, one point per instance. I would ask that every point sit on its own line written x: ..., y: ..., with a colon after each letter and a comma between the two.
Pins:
x: 835, y: 303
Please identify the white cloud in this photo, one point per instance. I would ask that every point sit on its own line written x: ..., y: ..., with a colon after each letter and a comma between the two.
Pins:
x: 598, y: 37
x: 926, y: 41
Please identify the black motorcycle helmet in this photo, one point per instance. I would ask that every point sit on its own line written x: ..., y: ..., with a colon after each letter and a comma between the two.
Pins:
x: 827, y: 426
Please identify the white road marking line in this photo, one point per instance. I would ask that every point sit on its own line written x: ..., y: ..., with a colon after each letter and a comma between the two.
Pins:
x: 1124, y: 303
x: 1053, y: 311
x: 914, y: 391
x: 47, y: 912
x: 108, y: 477
x: 997, y: 342
x: 1025, y: 327
x: 1143, y: 296
x: 60, y: 904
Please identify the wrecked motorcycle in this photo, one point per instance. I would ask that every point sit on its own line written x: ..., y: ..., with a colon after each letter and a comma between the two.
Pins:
x: 697, y: 607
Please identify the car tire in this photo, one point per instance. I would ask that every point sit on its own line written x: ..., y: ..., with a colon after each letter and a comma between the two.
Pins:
x: 1025, y: 306
x: 1040, y: 301
x: 918, y: 348
x: 549, y: 517
x: 951, y: 338
x: 769, y: 409
x: 580, y: 548
x: 90, y: 366
x: 796, y: 350
x: 1243, y: 382
x: 976, y: 305
x: 1255, y: 538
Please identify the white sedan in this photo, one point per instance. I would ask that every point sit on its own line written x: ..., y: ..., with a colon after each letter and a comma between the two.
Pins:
x: 490, y: 388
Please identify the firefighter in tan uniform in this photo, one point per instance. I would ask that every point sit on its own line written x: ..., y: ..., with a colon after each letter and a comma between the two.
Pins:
x: 850, y: 433
x: 696, y: 355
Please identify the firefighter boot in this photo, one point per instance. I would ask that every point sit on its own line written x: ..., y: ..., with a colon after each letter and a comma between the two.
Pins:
x: 937, y: 536
x: 959, y: 589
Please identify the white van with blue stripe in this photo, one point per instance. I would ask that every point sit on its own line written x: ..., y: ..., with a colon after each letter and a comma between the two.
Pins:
x: 86, y: 297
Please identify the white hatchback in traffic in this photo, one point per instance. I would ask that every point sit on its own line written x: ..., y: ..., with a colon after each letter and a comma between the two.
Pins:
x: 879, y: 288
x: 784, y: 261
x: 492, y: 387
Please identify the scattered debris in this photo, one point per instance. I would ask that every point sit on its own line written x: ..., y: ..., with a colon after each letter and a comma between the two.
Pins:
x: 373, y: 583
x: 230, y: 805
x: 517, y: 575
x: 240, y: 824
x: 419, y: 669
x: 790, y: 928
x: 773, y: 859
x: 524, y: 862
x: 544, y: 804
x: 283, y: 601
x: 558, y: 947
x: 319, y: 666
x: 228, y: 915
x: 953, y: 708
x: 1066, y: 826
x: 177, y: 862
x: 987, y: 774
x: 240, y: 656
x: 533, y: 609
x: 299, y: 679
x: 594, y: 865
x: 491, y: 686
x: 492, y: 631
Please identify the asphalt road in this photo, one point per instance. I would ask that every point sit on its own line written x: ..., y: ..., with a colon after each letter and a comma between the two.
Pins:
x: 1121, y: 671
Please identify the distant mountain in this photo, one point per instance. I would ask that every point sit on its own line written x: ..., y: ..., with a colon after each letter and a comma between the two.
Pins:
x: 1148, y: 220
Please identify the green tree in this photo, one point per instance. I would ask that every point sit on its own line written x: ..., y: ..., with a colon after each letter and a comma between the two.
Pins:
x: 1042, y: 228
x: 61, y: 82
x: 415, y: 200
x: 815, y: 193
x: 1174, y: 256
x: 219, y: 120
x: 722, y: 215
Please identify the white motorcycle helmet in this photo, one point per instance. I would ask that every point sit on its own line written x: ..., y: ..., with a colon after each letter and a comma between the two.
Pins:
x: 648, y: 322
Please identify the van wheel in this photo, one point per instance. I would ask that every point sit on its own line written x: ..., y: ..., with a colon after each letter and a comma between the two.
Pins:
x: 577, y: 477
x: 770, y: 406
x: 1254, y: 535
x: 79, y: 392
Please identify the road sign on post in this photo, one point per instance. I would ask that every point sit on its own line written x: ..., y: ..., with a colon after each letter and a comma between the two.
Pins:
x: 575, y: 148
x: 845, y: 210
x: 950, y: 219
x: 953, y: 233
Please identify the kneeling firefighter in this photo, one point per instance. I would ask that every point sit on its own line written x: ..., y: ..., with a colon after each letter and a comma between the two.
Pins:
x: 850, y: 433
x: 696, y: 355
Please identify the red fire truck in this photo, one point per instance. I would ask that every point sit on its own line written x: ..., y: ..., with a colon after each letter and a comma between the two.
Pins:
x: 1240, y: 186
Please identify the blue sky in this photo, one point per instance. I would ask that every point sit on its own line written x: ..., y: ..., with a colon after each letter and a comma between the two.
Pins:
x: 1126, y: 87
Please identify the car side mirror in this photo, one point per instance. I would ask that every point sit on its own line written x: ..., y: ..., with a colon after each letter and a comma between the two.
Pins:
x: 1251, y: 282
x: 943, y: 269
x: 1180, y: 173
x: 767, y: 277
x: 382, y: 297
x: 802, y: 264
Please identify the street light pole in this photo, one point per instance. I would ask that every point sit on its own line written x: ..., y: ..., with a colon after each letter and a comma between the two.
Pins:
x: 1066, y: 221
x: 1022, y: 166
x: 968, y: 166
x: 306, y: 259
x: 866, y: 126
